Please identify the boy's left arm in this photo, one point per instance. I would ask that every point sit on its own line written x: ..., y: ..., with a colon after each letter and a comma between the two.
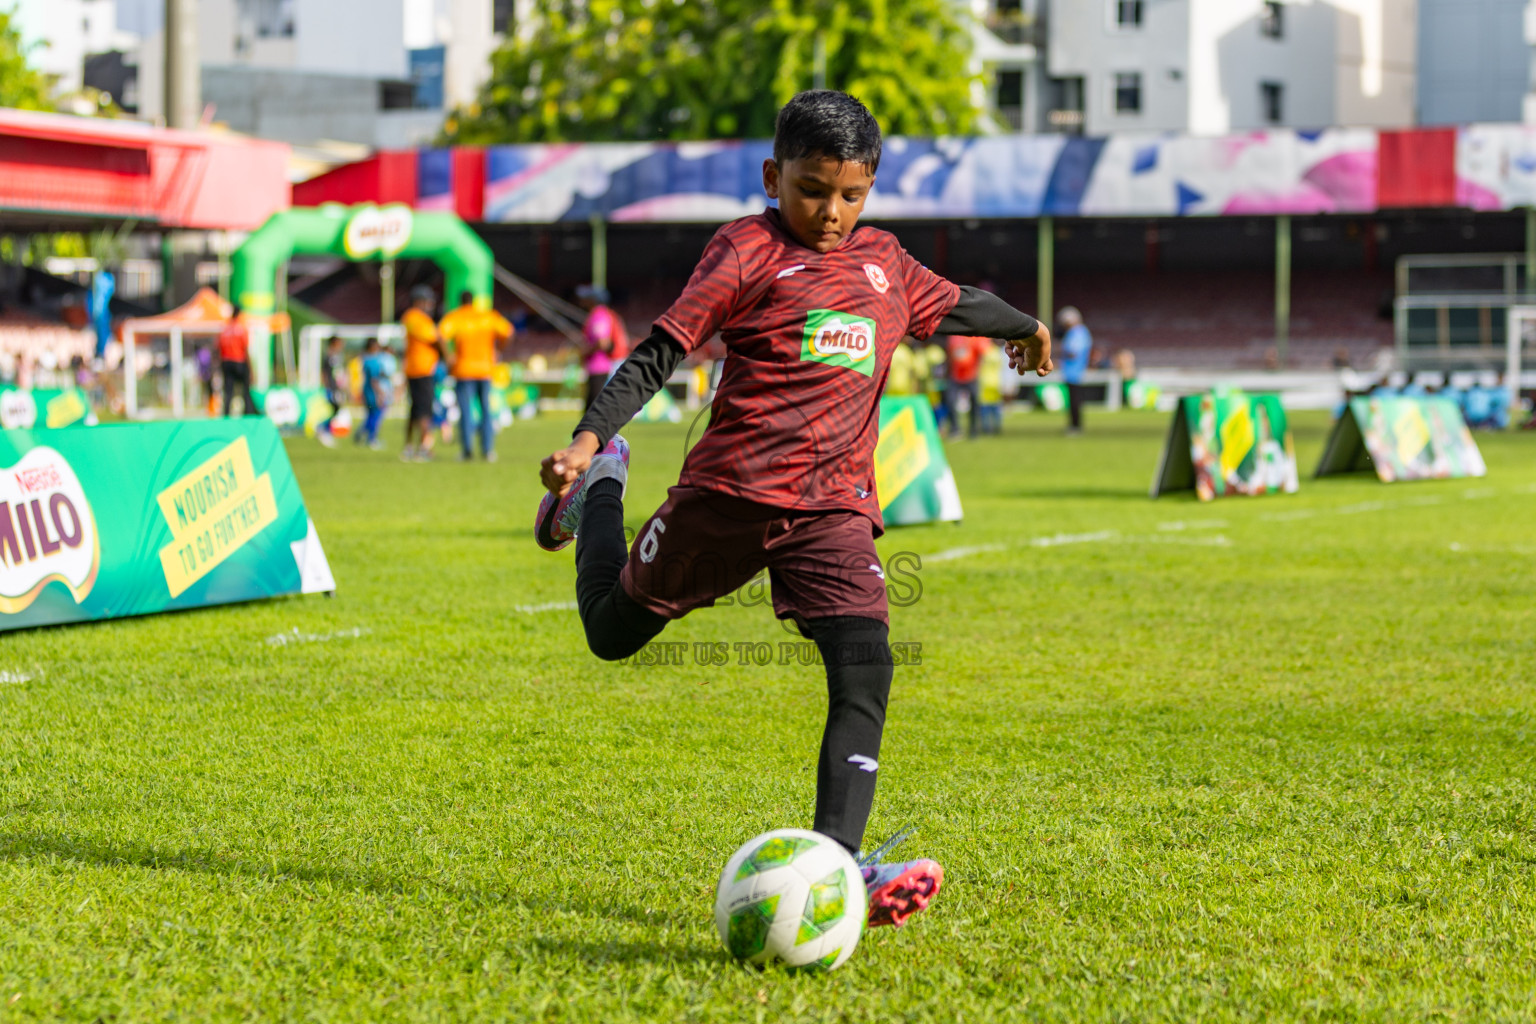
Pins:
x: 1027, y: 341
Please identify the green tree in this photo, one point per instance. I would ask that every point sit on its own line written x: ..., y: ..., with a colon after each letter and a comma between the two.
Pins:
x: 21, y: 85
x: 604, y: 70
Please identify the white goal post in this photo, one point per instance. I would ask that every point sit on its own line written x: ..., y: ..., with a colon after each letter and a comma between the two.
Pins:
x: 1519, y: 343
x: 314, y: 338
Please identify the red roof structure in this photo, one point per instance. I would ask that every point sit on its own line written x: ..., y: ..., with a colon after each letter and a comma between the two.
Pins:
x: 58, y: 169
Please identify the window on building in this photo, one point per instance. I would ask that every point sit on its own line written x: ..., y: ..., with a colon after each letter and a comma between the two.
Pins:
x: 1010, y: 99
x: 1272, y: 101
x: 271, y: 19
x: 1128, y: 92
x: 1272, y: 21
x: 1066, y: 105
x: 395, y: 95
x: 502, y: 15
x: 1127, y: 13
x: 1008, y: 20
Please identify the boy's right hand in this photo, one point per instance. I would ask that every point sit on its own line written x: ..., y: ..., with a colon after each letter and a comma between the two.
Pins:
x: 559, y: 471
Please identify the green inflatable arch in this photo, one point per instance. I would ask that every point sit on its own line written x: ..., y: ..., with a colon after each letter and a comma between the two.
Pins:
x: 365, y: 232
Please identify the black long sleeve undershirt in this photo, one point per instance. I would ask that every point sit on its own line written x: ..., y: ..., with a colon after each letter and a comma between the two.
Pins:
x: 983, y: 315
x: 648, y: 367
x: 639, y: 377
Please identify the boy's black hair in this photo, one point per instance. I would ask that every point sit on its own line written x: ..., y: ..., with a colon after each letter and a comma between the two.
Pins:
x: 827, y: 123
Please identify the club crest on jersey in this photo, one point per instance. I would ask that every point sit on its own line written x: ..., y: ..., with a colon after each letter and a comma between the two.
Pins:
x: 877, y: 277
x: 839, y: 339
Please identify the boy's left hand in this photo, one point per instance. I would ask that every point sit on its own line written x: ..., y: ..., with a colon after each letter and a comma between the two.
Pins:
x: 1031, y: 354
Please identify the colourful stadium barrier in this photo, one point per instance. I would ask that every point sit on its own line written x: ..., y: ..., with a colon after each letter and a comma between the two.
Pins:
x: 1228, y: 442
x: 1402, y: 438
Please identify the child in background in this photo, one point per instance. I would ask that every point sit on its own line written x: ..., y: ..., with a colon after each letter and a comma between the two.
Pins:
x: 376, y: 391
x: 333, y: 378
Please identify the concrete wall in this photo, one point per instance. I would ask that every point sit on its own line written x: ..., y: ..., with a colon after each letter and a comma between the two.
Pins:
x: 68, y: 30
x: 1302, y: 62
x: 1203, y: 62
x: 1473, y: 61
x: 1086, y: 42
x: 340, y: 37
x: 1378, y: 64
x: 295, y: 107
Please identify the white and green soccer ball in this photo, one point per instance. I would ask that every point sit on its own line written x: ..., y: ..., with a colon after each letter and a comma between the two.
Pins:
x: 792, y: 896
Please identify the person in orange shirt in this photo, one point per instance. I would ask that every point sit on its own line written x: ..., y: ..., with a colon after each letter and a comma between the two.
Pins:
x: 474, y: 334
x: 235, y: 363
x: 964, y: 368
x: 422, y: 352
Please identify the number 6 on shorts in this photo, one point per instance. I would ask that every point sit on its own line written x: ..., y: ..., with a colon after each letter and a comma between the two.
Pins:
x: 652, y: 540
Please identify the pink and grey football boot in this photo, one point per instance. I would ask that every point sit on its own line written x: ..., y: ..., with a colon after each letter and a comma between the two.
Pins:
x: 899, y: 890
x: 558, y: 518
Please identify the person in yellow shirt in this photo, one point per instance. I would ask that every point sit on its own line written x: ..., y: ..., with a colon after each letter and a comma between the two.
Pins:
x: 902, y: 377
x: 990, y: 376
x: 422, y: 352
x: 473, y: 333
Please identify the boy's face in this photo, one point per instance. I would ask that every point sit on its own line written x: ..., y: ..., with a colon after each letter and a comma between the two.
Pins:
x: 820, y: 198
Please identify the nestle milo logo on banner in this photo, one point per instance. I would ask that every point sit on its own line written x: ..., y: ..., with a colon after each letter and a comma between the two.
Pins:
x: 18, y: 410
x: 378, y: 230
x: 839, y: 339
x: 47, y: 531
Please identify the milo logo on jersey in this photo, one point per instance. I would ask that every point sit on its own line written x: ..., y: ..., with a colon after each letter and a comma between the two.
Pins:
x: 47, y: 531
x: 839, y: 339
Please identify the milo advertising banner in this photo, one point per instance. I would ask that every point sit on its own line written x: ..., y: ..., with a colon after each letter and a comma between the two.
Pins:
x: 912, y: 478
x: 293, y: 410
x: 149, y: 517
x: 43, y: 407
x: 1402, y: 438
x: 1227, y: 442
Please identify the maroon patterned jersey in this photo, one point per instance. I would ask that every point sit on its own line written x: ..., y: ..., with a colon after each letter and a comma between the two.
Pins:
x: 808, y: 340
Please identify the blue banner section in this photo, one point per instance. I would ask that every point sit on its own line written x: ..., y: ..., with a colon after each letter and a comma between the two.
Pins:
x: 434, y: 179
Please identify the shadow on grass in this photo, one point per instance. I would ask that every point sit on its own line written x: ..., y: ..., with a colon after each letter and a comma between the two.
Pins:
x: 81, y: 850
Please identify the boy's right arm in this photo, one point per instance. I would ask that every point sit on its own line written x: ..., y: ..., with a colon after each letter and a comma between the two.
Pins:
x: 982, y: 314
x: 639, y: 377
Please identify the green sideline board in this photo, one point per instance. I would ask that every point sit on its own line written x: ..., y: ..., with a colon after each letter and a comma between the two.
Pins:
x: 43, y: 407
x: 912, y: 478
x: 1402, y: 438
x: 1227, y: 442
x: 139, y: 518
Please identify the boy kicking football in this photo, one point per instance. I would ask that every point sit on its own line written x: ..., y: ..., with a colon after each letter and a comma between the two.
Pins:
x: 810, y: 310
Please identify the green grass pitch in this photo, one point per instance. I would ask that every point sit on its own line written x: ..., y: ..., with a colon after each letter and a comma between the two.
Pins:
x: 1264, y: 759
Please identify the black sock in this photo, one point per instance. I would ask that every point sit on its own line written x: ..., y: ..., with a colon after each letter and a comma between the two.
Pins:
x: 616, y: 626
x: 857, y: 655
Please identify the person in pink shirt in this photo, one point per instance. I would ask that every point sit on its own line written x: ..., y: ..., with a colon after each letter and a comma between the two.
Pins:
x: 607, y: 343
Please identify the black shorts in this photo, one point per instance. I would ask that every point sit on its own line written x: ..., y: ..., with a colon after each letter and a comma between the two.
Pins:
x: 423, y: 393
x: 702, y: 545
